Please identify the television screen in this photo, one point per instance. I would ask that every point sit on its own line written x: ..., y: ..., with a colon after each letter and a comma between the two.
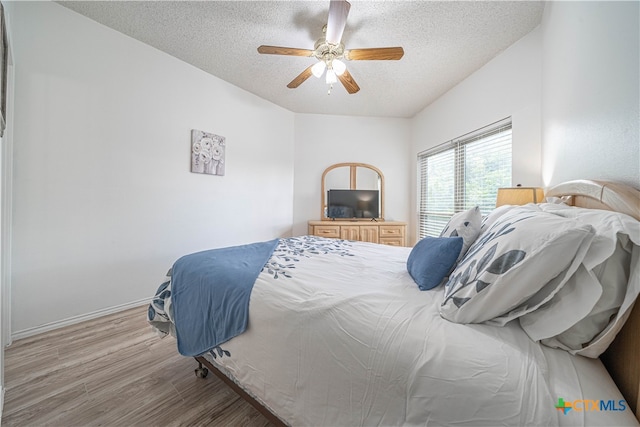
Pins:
x: 353, y: 204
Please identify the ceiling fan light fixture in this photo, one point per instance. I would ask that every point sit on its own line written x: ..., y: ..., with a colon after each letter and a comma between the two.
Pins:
x: 329, y: 51
x: 338, y: 66
x: 318, y: 69
x: 331, y: 76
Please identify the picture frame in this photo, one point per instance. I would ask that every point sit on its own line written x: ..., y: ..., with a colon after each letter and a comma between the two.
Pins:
x: 207, y: 153
x: 4, y: 64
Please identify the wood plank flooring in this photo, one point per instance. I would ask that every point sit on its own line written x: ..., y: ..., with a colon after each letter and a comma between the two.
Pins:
x: 114, y: 371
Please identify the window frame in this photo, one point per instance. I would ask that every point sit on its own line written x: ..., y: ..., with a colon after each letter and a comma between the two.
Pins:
x: 458, y: 146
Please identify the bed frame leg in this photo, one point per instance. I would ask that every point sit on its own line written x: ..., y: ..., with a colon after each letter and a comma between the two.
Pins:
x: 201, y: 371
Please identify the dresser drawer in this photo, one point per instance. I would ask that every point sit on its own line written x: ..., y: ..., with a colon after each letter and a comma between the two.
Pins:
x: 332, y: 231
x: 392, y: 241
x: 391, y: 231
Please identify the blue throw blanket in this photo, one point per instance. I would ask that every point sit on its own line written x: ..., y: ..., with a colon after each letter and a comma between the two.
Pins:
x: 210, y: 294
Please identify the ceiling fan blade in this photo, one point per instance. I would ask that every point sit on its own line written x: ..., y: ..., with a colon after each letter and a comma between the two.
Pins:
x: 338, y: 12
x: 348, y: 82
x: 376, y: 53
x: 300, y: 78
x: 278, y: 50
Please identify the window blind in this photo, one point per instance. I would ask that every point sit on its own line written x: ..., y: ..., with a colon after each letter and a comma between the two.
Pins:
x: 463, y: 173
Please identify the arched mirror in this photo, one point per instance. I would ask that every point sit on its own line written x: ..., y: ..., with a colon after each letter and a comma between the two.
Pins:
x: 352, y: 191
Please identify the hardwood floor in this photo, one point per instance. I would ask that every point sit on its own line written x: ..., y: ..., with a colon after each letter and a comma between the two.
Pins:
x: 114, y: 371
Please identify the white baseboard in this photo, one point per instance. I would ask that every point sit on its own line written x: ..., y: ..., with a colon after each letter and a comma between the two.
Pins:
x: 76, y: 319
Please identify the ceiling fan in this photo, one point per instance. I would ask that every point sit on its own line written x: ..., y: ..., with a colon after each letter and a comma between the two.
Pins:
x: 330, y: 51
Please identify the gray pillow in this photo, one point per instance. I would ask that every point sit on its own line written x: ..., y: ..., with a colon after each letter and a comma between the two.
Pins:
x: 465, y: 224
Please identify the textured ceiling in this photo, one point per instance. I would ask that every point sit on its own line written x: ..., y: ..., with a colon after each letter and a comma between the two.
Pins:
x: 444, y: 42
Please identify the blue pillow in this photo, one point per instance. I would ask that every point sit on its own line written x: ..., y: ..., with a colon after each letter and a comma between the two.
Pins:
x: 432, y: 259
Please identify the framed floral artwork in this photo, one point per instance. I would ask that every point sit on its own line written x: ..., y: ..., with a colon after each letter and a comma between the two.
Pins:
x: 207, y: 153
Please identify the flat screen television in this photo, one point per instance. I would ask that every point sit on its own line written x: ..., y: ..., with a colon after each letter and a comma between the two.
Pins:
x: 353, y: 203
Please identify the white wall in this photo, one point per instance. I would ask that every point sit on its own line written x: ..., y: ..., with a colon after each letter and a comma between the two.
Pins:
x: 509, y: 85
x: 6, y: 163
x: 323, y: 140
x: 104, y: 200
x: 591, y: 91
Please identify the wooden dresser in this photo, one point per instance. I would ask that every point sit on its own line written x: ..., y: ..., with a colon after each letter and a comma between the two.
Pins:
x: 385, y: 232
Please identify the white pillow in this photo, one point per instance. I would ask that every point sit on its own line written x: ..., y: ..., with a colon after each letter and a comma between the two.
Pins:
x: 465, y: 224
x: 495, y: 215
x: 564, y: 200
x: 518, y: 256
x: 571, y: 303
x: 585, y: 315
x: 613, y: 275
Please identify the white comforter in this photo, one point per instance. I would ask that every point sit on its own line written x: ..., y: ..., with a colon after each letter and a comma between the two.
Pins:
x: 340, y: 335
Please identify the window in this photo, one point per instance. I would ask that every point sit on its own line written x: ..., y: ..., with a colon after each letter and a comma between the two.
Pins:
x: 463, y: 173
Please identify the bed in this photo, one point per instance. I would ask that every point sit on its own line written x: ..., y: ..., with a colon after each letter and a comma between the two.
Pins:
x: 503, y: 320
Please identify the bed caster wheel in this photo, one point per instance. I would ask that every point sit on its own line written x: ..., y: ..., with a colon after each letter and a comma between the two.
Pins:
x: 202, y: 372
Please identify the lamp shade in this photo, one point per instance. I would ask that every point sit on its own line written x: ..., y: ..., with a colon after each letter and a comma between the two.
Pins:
x: 318, y: 69
x: 519, y: 195
x: 338, y: 66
